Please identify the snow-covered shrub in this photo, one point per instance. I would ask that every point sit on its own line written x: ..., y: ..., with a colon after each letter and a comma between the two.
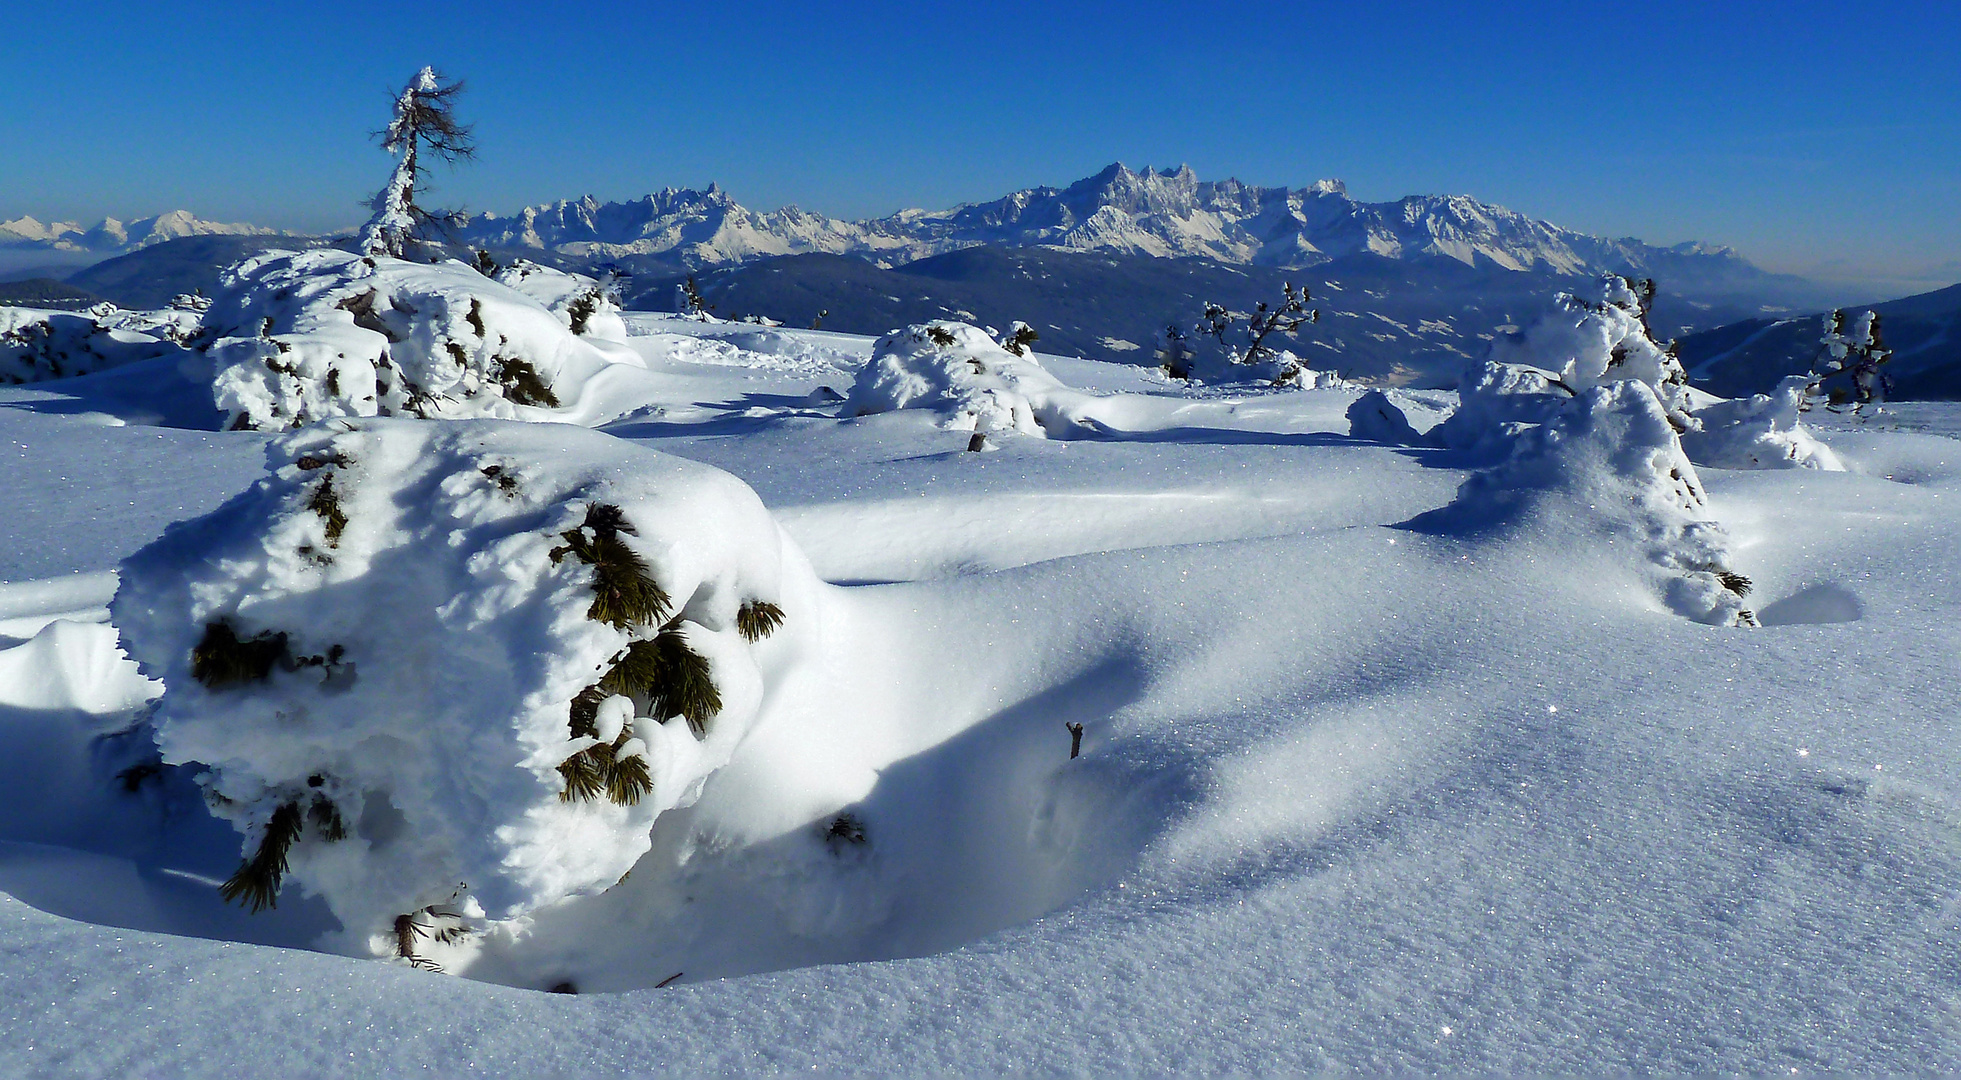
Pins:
x: 585, y: 305
x: 1588, y: 343
x: 1587, y: 424
x: 37, y: 344
x: 1855, y: 351
x: 1610, y: 458
x: 958, y: 371
x: 1207, y: 357
x: 1759, y: 432
x: 1495, y: 404
x: 303, y: 336
x: 452, y: 672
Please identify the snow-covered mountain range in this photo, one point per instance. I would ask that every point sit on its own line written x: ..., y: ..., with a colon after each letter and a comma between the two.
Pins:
x: 1169, y: 212
x: 110, y: 237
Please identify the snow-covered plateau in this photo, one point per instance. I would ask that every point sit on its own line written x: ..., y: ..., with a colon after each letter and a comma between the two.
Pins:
x: 385, y: 648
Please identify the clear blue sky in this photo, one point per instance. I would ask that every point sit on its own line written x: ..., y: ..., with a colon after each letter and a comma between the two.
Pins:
x: 1818, y: 138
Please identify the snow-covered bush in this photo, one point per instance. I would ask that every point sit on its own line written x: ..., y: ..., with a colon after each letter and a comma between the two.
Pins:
x: 37, y: 344
x: 443, y: 673
x: 1588, y: 343
x: 1856, y: 352
x: 1610, y: 460
x: 587, y: 306
x: 303, y: 336
x: 1207, y: 357
x: 1588, y: 423
x: 1495, y: 404
x: 1759, y: 432
x: 958, y: 371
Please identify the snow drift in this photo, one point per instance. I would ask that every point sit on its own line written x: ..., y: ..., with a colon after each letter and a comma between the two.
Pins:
x: 1609, y: 463
x: 303, y: 336
x: 1760, y: 432
x: 450, y: 673
x: 1586, y: 431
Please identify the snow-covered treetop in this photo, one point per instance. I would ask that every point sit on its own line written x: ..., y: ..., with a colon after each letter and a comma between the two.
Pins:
x: 424, y: 120
x: 1588, y: 343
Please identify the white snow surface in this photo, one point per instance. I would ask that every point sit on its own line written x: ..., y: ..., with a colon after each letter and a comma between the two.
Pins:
x: 1394, y: 757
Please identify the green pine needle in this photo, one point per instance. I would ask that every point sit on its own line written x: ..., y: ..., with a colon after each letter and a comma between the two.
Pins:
x: 523, y: 386
x: 686, y: 686
x: 326, y: 819
x: 757, y: 619
x: 624, y: 590
x: 256, y: 883
x: 327, y: 504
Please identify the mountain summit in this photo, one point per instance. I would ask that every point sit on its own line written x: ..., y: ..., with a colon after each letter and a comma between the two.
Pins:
x: 1159, y: 212
x: 110, y: 237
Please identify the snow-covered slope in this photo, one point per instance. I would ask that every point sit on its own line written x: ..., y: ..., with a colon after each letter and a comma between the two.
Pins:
x: 1362, y: 786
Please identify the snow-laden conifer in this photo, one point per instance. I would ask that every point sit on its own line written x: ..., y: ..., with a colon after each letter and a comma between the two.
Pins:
x: 424, y: 122
x: 1583, y: 419
x: 504, y: 652
x: 1847, y: 376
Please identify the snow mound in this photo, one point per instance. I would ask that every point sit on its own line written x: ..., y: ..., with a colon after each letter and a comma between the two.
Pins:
x: 1760, y: 432
x: 961, y: 373
x: 450, y: 673
x: 1397, y: 417
x: 303, y: 336
x: 1496, y: 403
x: 36, y: 345
x: 1608, y: 462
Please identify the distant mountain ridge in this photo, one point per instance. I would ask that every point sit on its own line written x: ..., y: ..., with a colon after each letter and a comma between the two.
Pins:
x: 1164, y: 213
x: 110, y: 237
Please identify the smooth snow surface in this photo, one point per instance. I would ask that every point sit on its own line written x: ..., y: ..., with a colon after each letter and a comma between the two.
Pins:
x: 1394, y: 757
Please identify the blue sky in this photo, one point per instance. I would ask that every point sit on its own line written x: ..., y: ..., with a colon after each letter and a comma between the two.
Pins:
x: 1818, y: 138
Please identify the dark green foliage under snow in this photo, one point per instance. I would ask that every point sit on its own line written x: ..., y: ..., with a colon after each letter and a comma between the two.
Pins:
x: 256, y: 883
x: 683, y: 684
x: 583, y: 307
x: 757, y: 619
x: 661, y: 675
x: 223, y: 659
x: 624, y: 590
x: 327, y: 504
x: 523, y: 386
x: 599, y: 769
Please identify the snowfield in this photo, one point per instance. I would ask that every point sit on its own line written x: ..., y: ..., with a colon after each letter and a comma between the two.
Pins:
x: 1407, y: 743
